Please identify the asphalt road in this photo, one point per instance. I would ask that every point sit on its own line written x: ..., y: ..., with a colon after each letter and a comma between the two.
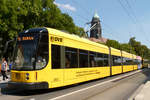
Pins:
x: 119, y: 87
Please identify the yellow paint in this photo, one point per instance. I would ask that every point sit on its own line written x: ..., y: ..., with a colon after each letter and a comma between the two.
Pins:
x: 135, y: 67
x: 116, y: 70
x: 115, y: 52
x: 77, y: 42
x: 63, y: 77
x: 127, y: 68
x: 78, y: 75
x: 126, y: 54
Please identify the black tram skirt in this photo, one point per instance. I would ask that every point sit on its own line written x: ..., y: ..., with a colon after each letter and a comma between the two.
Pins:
x: 28, y: 86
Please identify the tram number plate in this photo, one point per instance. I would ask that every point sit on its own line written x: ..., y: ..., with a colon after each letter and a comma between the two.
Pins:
x: 17, y: 75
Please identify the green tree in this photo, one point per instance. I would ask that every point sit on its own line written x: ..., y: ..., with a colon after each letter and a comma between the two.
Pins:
x: 19, y: 15
x: 140, y: 49
x: 113, y: 43
x: 128, y: 48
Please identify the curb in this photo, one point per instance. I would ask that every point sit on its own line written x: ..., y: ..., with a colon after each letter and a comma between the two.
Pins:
x: 138, y: 90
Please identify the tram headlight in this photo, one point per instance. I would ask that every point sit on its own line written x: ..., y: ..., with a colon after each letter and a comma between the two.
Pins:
x: 27, y: 76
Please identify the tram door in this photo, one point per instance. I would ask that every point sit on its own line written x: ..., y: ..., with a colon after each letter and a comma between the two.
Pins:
x: 57, y: 72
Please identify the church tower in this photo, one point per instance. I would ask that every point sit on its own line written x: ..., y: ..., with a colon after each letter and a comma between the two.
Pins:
x: 96, y: 31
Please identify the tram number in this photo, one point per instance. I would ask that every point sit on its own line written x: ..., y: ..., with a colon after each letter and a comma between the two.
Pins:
x: 56, y: 39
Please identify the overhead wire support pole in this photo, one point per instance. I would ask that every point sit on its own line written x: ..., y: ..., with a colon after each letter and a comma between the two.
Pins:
x: 6, y: 45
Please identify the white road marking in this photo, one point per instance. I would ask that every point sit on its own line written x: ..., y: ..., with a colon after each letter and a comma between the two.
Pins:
x: 56, y: 98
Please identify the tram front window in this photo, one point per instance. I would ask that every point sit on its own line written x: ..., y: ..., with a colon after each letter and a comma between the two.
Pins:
x: 25, y: 55
x: 31, y: 52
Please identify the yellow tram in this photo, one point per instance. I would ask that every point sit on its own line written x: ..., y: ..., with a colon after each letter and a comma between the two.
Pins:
x: 48, y: 58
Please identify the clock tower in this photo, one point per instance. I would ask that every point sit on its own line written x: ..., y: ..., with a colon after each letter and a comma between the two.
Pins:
x: 96, y: 31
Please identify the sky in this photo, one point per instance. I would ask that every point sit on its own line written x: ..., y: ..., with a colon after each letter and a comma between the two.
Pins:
x: 120, y: 19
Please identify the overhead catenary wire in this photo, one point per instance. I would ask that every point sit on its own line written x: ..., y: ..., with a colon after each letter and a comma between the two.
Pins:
x: 136, y: 19
x: 132, y: 16
x: 87, y: 11
x: 81, y: 7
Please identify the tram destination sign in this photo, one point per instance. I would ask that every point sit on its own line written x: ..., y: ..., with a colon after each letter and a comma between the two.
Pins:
x: 25, y: 38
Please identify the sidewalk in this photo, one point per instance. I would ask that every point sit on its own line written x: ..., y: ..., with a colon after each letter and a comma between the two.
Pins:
x: 144, y: 93
x: 4, y: 81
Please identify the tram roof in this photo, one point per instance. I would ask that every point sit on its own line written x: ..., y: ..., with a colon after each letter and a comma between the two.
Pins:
x: 35, y: 30
x: 126, y: 54
x: 74, y: 37
x: 115, y: 52
x: 81, y: 39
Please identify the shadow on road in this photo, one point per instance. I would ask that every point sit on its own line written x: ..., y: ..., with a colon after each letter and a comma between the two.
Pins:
x: 5, y: 90
x: 146, y: 72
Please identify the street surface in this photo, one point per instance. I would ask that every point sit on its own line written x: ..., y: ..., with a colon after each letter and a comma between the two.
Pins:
x: 119, y: 87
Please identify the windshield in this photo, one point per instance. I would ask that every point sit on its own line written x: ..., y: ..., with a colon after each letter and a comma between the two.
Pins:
x: 31, y: 51
x: 25, y: 52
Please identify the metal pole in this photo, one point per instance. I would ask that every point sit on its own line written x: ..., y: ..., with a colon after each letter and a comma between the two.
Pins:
x: 6, y: 45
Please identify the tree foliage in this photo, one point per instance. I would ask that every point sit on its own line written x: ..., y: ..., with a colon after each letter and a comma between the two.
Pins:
x: 128, y: 48
x: 113, y: 43
x: 140, y: 49
x: 19, y: 15
x: 133, y: 46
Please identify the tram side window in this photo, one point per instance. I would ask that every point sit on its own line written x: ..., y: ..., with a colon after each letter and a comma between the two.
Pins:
x: 92, y: 59
x: 127, y: 61
x: 106, y: 63
x: 116, y: 60
x: 55, y: 55
x: 42, y: 53
x: 83, y: 58
x: 124, y: 61
x: 71, y: 58
x: 100, y: 60
x: 139, y: 62
x: 134, y: 62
